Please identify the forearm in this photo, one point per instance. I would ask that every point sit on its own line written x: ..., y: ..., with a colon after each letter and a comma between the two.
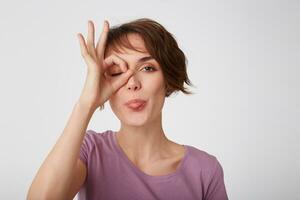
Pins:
x: 55, y: 174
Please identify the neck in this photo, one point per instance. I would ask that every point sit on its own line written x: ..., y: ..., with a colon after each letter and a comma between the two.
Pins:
x: 144, y: 143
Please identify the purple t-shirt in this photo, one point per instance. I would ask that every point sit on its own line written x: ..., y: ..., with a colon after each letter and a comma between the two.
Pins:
x: 112, y: 176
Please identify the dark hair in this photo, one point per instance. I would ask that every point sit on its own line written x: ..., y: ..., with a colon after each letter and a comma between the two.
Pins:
x: 160, y: 44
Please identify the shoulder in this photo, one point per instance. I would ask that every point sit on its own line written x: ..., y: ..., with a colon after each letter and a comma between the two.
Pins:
x: 200, y: 156
x: 93, y: 137
x: 205, y: 161
x: 210, y: 172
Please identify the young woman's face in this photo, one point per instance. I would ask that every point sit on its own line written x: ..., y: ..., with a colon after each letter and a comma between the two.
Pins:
x: 146, y: 83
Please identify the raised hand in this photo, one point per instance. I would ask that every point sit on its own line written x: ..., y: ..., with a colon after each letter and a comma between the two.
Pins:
x: 98, y: 87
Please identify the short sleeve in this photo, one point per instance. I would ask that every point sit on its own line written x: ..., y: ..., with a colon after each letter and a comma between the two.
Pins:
x: 86, y: 147
x: 216, y: 189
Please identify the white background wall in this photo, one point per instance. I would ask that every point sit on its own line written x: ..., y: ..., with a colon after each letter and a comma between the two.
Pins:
x: 243, y: 57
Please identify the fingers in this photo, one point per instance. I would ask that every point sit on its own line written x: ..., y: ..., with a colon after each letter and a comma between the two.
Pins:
x: 120, y: 81
x: 84, y: 51
x: 83, y: 47
x: 91, y: 39
x: 114, y: 60
x: 102, y: 40
x: 91, y: 33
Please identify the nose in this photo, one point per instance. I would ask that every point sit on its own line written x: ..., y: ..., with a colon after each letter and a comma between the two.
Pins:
x: 133, y: 83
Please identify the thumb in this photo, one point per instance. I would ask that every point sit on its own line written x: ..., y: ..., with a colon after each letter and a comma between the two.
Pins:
x: 122, y: 79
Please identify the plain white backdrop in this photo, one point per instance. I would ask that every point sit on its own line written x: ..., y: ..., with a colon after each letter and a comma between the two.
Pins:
x: 243, y: 58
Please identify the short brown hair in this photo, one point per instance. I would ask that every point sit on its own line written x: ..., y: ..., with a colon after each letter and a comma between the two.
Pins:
x: 160, y: 44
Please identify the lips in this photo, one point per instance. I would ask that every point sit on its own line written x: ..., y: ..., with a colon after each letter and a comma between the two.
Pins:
x: 135, y: 103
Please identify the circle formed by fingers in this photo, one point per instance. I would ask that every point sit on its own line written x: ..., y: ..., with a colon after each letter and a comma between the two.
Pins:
x: 114, y: 60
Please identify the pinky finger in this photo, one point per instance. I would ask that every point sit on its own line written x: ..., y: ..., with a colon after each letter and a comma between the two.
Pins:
x: 83, y: 47
x: 87, y: 57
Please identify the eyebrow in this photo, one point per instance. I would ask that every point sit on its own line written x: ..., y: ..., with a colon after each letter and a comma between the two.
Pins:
x: 144, y: 59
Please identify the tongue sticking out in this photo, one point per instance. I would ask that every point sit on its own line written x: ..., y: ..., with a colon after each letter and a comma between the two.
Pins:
x: 135, y: 105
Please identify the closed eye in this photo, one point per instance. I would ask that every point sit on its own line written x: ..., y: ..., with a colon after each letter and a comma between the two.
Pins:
x: 116, y: 74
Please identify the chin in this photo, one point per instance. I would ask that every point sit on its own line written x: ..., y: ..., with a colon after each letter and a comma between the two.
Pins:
x: 133, y: 124
x: 138, y: 120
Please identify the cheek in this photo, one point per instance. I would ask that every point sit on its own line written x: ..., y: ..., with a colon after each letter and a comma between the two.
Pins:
x: 156, y: 84
x: 113, y: 101
x: 116, y: 101
x: 157, y: 90
x: 115, y: 107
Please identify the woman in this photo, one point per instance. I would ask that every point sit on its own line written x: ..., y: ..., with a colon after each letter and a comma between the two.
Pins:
x: 133, y: 66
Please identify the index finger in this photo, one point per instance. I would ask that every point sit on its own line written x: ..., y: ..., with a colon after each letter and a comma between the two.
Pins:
x: 102, y: 40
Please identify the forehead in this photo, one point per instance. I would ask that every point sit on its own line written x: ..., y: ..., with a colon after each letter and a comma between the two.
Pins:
x: 136, y: 41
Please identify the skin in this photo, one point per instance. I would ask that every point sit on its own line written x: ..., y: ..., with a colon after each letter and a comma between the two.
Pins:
x: 141, y: 134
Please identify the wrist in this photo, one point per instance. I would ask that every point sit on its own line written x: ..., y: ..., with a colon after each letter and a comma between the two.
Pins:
x: 85, y: 107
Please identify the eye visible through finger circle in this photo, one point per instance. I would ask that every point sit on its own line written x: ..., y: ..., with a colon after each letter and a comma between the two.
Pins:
x: 114, y: 71
x: 116, y: 74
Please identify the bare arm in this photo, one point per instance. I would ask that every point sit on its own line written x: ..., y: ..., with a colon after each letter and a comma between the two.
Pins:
x: 54, y: 177
x: 58, y: 176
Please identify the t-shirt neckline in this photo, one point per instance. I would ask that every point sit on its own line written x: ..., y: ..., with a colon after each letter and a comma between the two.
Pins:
x: 140, y: 172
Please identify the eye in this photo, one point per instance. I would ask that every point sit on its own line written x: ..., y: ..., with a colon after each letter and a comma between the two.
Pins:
x: 116, y: 74
x: 147, y: 67
x: 114, y: 71
x: 150, y: 68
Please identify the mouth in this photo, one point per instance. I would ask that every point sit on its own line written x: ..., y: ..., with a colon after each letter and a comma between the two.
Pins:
x: 136, y: 105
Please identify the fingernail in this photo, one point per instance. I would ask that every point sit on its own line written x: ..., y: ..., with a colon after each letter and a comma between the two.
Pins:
x: 105, y: 21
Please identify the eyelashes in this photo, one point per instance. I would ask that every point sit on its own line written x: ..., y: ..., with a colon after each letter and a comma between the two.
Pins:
x: 152, y: 69
x: 116, y: 74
